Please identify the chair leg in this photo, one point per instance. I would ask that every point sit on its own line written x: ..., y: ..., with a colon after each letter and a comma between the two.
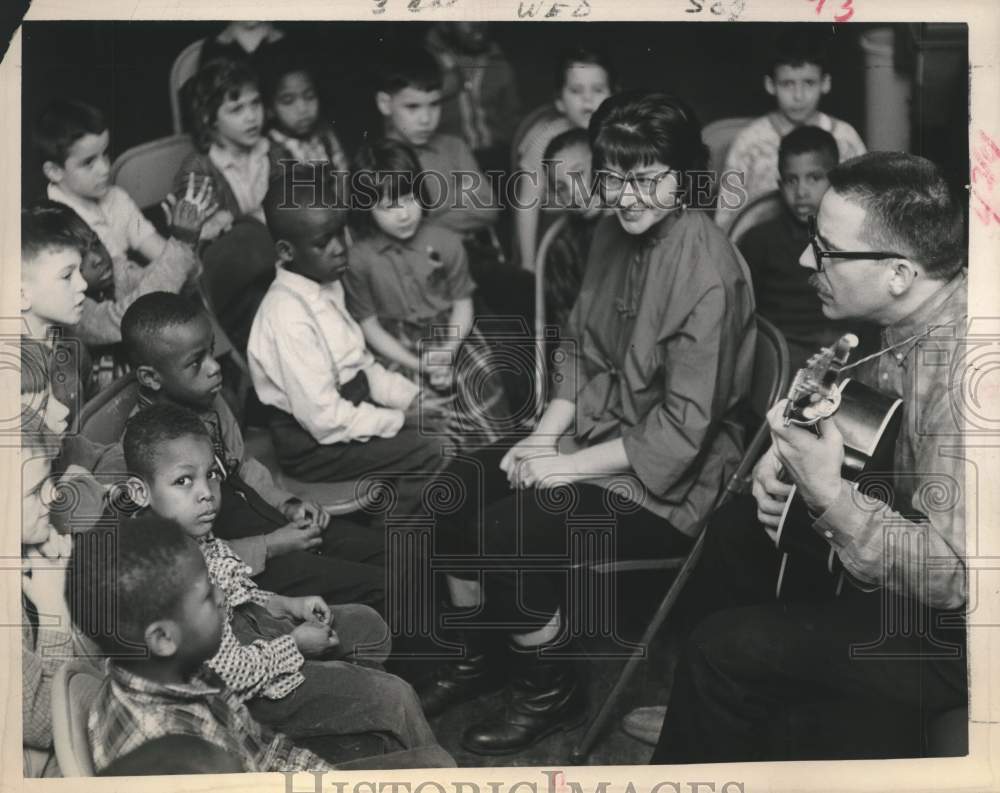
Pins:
x: 582, y: 749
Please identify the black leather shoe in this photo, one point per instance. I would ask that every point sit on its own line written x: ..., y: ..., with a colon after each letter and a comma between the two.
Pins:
x: 544, y: 696
x: 459, y: 681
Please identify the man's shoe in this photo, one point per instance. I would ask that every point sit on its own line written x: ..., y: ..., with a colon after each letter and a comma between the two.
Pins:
x: 459, y: 681
x: 544, y: 696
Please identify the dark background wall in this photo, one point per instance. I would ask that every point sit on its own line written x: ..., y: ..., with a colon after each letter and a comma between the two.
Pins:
x: 122, y: 67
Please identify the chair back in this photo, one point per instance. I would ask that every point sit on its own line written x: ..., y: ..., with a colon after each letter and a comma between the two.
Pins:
x: 719, y: 136
x: 546, y: 111
x: 771, y: 376
x: 184, y: 67
x: 760, y: 210
x: 541, y: 376
x: 103, y: 418
x: 146, y: 172
x: 74, y: 689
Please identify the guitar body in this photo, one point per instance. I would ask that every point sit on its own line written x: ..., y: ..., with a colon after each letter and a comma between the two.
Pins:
x: 869, y: 422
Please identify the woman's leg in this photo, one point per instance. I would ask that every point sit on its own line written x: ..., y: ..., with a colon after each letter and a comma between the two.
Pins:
x: 555, y: 537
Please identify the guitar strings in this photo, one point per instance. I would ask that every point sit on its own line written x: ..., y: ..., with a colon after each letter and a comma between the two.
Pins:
x: 890, y: 348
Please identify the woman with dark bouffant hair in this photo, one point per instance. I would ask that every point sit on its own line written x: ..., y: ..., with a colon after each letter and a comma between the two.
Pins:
x: 643, y: 430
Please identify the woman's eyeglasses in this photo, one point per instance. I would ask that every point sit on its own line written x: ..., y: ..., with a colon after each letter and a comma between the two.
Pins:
x: 614, y: 182
x: 823, y: 253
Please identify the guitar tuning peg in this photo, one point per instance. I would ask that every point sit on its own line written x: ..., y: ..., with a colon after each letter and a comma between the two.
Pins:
x: 851, y: 340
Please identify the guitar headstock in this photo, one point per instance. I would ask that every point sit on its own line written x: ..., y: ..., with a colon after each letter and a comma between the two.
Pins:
x: 814, y: 394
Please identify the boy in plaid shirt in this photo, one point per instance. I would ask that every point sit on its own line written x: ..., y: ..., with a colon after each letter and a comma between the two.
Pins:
x: 158, y: 638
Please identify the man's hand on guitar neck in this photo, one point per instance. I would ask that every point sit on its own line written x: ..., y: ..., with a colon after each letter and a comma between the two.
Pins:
x: 812, y: 462
x: 770, y: 492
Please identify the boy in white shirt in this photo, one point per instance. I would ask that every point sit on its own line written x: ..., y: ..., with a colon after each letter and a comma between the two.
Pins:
x: 336, y: 413
x: 797, y: 79
x: 72, y: 139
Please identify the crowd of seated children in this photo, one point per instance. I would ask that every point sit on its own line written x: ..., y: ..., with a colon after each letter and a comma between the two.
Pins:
x: 584, y: 79
x: 284, y: 656
x: 298, y: 128
x: 231, y: 154
x: 798, y: 79
x: 782, y: 286
x: 93, y: 266
x: 336, y: 413
x: 408, y: 286
x: 291, y: 546
x: 479, y: 96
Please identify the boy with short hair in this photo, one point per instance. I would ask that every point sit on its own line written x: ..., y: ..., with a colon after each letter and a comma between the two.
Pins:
x: 52, y: 297
x: 798, y: 79
x: 274, y: 648
x: 772, y: 249
x: 157, y: 639
x: 72, y: 139
x: 336, y: 413
x: 409, y: 95
x: 169, y: 341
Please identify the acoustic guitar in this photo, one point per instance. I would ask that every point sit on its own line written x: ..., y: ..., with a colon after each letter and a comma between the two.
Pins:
x: 868, y: 420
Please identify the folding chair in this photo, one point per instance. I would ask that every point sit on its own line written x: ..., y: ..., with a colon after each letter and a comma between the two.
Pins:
x: 103, y: 419
x: 770, y: 381
x: 546, y: 111
x: 760, y: 210
x: 541, y: 374
x: 74, y: 689
x: 146, y: 172
x: 719, y: 136
x: 184, y: 67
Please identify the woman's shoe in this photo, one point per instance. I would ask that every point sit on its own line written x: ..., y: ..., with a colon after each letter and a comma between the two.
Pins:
x: 544, y: 695
x: 480, y: 672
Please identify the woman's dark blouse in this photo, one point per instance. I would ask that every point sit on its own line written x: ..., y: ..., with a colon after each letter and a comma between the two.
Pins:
x: 659, y: 352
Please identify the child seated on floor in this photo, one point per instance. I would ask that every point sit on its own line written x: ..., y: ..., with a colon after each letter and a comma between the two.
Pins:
x: 290, y: 545
x: 298, y: 128
x: 798, y: 79
x: 336, y: 412
x: 584, y: 79
x: 408, y: 285
x: 72, y: 138
x: 275, y: 651
x: 232, y: 155
x: 782, y: 286
x: 157, y: 639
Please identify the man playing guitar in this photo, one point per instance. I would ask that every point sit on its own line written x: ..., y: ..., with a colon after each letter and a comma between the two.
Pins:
x: 887, y: 247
